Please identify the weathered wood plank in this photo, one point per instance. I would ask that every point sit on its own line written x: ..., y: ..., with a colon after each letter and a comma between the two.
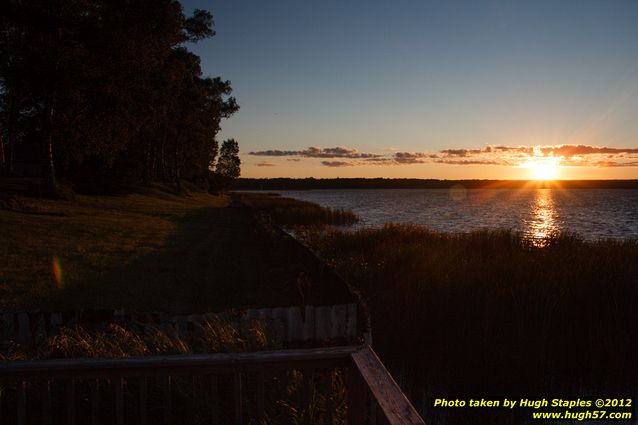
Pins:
x: 119, y: 401
x: 396, y: 408
x: 168, y: 400
x: 237, y: 398
x: 8, y: 329
x: 198, y: 363
x: 351, y: 326
x: 22, y: 403
x: 294, y: 324
x: 357, y: 397
x: 143, y: 401
x: 95, y: 402
x: 70, y: 402
x: 55, y: 321
x: 339, y: 318
x: 279, y: 316
x: 214, y: 395
x: 46, y: 403
x: 327, y: 388
x: 305, y: 393
x: 24, y: 330
x: 261, y: 409
x: 309, y: 324
x: 323, y: 325
x: 40, y: 331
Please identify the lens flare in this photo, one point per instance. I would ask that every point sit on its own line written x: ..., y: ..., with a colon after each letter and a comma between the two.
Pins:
x: 458, y: 193
x: 58, y: 276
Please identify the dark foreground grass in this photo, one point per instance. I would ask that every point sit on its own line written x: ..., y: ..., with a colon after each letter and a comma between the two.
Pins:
x: 294, y: 212
x: 115, y: 341
x: 150, y: 251
x: 52, y: 248
x: 488, y: 313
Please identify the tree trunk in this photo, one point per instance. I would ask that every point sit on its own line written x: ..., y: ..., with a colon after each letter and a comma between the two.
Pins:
x: 49, y: 166
x: 9, y: 141
x: 3, y: 161
x: 148, y: 169
x: 177, y: 170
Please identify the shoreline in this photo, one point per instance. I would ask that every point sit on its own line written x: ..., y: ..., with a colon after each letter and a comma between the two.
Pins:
x: 387, y: 183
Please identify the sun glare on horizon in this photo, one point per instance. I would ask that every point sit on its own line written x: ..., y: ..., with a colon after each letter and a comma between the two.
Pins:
x: 543, y: 168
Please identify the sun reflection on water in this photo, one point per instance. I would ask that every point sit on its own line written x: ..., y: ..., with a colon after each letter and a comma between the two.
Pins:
x: 542, y: 222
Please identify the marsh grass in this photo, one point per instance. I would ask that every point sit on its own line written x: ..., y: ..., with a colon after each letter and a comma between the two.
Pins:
x: 293, y: 212
x: 310, y: 398
x: 488, y: 312
x: 115, y: 341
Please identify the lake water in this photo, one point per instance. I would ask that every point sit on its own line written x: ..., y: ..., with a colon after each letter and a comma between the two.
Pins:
x: 591, y: 213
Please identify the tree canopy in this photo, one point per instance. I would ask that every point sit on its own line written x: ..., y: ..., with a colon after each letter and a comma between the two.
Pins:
x: 106, y: 91
x: 228, y: 165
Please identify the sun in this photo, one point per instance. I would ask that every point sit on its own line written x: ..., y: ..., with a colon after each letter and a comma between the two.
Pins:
x: 543, y: 168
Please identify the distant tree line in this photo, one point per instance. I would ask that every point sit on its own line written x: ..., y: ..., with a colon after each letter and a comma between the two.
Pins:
x: 105, y: 93
x: 390, y: 183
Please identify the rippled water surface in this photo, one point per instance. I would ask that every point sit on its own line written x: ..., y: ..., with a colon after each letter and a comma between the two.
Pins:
x: 591, y: 213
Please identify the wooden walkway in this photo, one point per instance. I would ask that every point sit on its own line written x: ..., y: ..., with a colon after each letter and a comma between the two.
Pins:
x: 373, y: 397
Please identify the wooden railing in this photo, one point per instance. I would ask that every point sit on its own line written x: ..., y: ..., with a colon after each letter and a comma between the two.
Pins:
x: 79, y: 391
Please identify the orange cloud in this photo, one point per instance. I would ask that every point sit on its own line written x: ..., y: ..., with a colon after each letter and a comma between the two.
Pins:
x: 314, y: 152
x: 514, y: 156
x: 338, y: 163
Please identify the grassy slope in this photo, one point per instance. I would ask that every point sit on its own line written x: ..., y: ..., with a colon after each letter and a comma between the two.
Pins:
x: 152, y: 251
x: 93, y: 237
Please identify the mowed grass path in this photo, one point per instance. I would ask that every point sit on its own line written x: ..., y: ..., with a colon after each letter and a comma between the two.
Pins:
x: 152, y: 251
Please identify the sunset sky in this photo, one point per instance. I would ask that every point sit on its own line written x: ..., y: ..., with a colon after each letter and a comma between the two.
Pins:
x: 429, y: 89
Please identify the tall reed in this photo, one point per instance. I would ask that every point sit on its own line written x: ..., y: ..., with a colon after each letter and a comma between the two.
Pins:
x: 489, y: 312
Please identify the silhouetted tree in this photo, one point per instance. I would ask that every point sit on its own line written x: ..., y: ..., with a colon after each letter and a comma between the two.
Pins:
x: 228, y: 165
x: 35, y: 58
x: 108, y: 90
